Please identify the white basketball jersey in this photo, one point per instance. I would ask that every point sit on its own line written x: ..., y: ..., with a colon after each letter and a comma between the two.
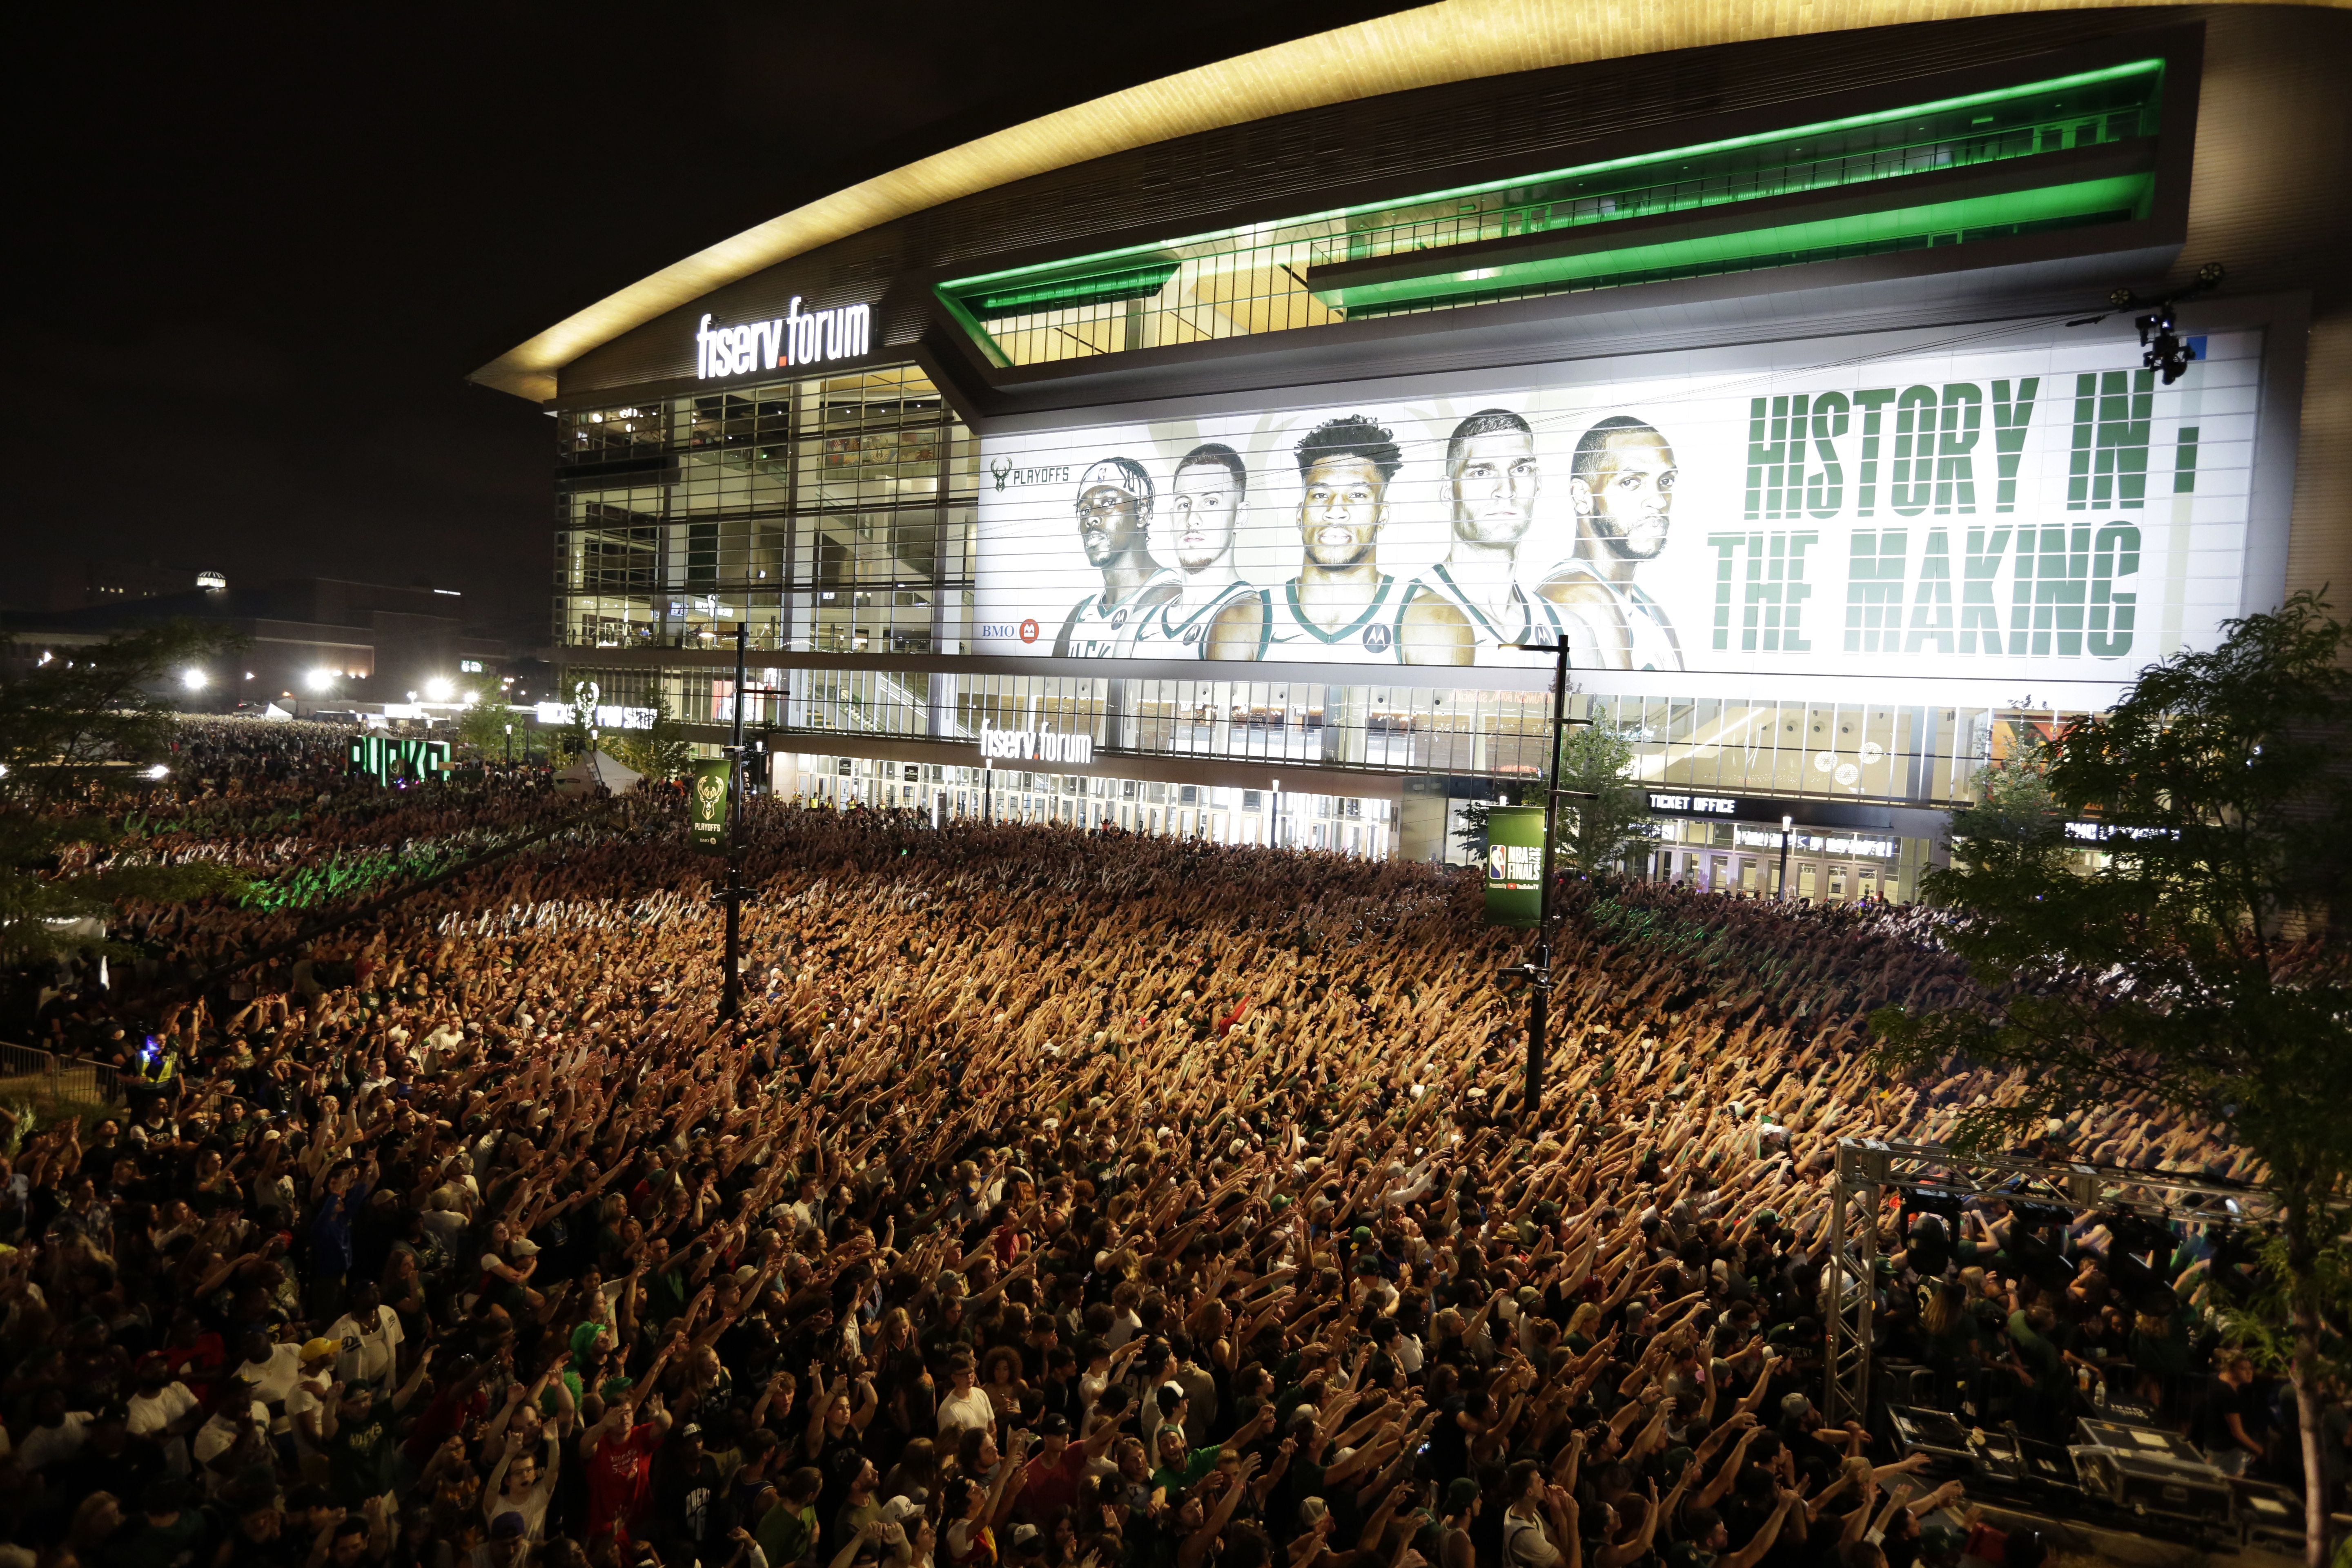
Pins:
x: 1651, y: 642
x: 1369, y: 638
x: 1172, y: 631
x: 1534, y: 622
x: 1096, y: 632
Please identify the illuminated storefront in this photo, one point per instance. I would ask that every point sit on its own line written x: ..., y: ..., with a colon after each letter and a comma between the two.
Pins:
x: 1786, y: 409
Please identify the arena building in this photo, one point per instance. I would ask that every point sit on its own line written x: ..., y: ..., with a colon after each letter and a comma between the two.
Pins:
x: 1206, y: 458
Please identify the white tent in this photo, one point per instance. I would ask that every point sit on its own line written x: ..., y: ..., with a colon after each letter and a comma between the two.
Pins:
x: 586, y: 774
x: 274, y: 712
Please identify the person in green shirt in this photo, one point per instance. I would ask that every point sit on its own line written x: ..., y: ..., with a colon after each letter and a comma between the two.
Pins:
x: 788, y: 1532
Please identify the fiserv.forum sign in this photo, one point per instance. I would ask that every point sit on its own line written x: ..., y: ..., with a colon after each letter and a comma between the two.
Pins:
x: 794, y: 338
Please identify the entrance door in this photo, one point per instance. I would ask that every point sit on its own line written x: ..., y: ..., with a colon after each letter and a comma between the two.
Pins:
x: 1748, y: 875
x: 1840, y: 878
x: 1808, y: 880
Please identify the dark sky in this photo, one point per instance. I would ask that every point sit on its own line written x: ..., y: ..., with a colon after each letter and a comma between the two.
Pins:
x: 258, y: 249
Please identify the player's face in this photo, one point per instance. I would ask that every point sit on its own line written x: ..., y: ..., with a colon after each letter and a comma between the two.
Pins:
x: 1206, y: 502
x: 1628, y: 499
x: 1495, y: 482
x: 1340, y: 520
x: 1111, y: 522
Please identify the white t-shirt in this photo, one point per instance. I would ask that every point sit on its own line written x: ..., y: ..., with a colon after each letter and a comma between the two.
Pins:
x: 151, y: 1413
x: 275, y: 1378
x: 217, y: 1437
x: 972, y: 1408
x: 367, y: 1358
x: 45, y: 1445
x: 301, y: 1400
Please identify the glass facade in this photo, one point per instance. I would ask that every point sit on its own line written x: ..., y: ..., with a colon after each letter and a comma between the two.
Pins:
x: 831, y: 514
x: 1493, y: 242
x: 1346, y: 824
x: 835, y: 515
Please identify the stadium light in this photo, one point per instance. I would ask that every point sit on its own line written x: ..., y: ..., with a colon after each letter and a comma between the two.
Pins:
x: 157, y: 770
x: 319, y: 679
x: 193, y: 680
x: 439, y: 689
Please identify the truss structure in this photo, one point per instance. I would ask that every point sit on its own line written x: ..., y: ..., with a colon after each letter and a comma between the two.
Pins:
x: 1866, y: 1168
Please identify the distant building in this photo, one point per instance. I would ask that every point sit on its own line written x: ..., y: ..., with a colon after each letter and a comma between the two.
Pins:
x: 311, y: 641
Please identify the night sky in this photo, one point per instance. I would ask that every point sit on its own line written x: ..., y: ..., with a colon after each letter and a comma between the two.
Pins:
x: 258, y: 249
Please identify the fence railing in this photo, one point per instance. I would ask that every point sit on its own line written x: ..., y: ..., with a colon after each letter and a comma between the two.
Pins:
x: 62, y: 1077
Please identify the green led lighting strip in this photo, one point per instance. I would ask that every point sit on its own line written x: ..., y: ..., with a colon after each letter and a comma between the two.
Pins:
x: 1064, y: 298
x: 1725, y: 252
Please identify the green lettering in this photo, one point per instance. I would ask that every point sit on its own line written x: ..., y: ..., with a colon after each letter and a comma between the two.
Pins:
x: 1982, y: 565
x: 1956, y: 485
x: 2114, y: 553
x: 2009, y: 416
x: 1931, y: 602
x: 1825, y: 485
x: 1873, y: 404
x: 1873, y: 591
x: 1914, y: 450
x: 1723, y: 545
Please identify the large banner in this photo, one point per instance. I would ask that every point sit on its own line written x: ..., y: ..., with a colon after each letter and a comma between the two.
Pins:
x: 2004, y: 510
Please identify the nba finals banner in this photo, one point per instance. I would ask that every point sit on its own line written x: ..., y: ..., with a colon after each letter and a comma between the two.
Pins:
x: 1515, y: 835
x: 2037, y: 504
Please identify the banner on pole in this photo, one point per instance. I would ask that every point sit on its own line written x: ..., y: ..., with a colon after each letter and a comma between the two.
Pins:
x: 706, y: 806
x: 1515, y: 837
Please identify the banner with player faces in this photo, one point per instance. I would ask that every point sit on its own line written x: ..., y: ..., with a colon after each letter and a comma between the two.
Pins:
x: 2032, y: 505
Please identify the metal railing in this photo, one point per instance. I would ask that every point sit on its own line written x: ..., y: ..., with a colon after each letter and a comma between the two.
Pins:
x: 58, y: 1076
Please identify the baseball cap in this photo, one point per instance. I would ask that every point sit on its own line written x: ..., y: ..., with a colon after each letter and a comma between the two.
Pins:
x: 320, y: 1349
x: 523, y: 1247
x: 1054, y: 1425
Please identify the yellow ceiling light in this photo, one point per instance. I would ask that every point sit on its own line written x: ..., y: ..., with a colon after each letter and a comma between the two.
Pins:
x: 1454, y: 40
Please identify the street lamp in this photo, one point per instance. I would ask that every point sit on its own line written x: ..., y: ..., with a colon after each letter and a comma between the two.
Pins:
x: 1786, y: 823
x: 193, y: 680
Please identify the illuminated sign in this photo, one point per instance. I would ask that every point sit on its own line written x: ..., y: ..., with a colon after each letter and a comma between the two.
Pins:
x: 794, y: 338
x: 1805, y: 843
x: 380, y: 757
x: 1034, y: 745
x: 2100, y: 831
x: 1514, y: 838
x: 2035, y: 507
x: 1696, y: 804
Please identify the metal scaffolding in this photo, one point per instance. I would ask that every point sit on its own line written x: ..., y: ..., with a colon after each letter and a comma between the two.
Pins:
x: 1867, y: 1167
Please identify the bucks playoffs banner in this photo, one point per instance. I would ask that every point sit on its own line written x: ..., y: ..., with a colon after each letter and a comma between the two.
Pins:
x: 1980, y: 511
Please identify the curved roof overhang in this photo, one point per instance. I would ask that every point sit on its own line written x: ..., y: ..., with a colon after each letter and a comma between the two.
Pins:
x: 1454, y: 40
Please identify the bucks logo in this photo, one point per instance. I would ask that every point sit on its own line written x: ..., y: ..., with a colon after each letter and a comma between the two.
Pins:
x: 1003, y: 469
x: 707, y: 810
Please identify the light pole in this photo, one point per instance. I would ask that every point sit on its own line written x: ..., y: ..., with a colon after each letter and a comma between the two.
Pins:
x: 1537, y: 972
x: 1781, y: 893
x: 731, y: 994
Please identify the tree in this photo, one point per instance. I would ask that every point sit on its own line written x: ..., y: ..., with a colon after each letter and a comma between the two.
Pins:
x: 93, y: 711
x: 660, y: 752
x: 77, y: 734
x: 483, y: 728
x: 1601, y: 815
x: 2204, y: 964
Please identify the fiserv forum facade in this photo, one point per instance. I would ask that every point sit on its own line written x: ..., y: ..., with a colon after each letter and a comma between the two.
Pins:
x: 1195, y: 459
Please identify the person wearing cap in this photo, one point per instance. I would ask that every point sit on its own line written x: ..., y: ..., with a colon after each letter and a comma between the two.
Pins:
x: 164, y: 1412
x: 1060, y: 1466
x: 1115, y: 499
x: 306, y: 1397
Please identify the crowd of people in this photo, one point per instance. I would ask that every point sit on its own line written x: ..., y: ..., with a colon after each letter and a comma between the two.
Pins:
x: 1057, y: 1200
